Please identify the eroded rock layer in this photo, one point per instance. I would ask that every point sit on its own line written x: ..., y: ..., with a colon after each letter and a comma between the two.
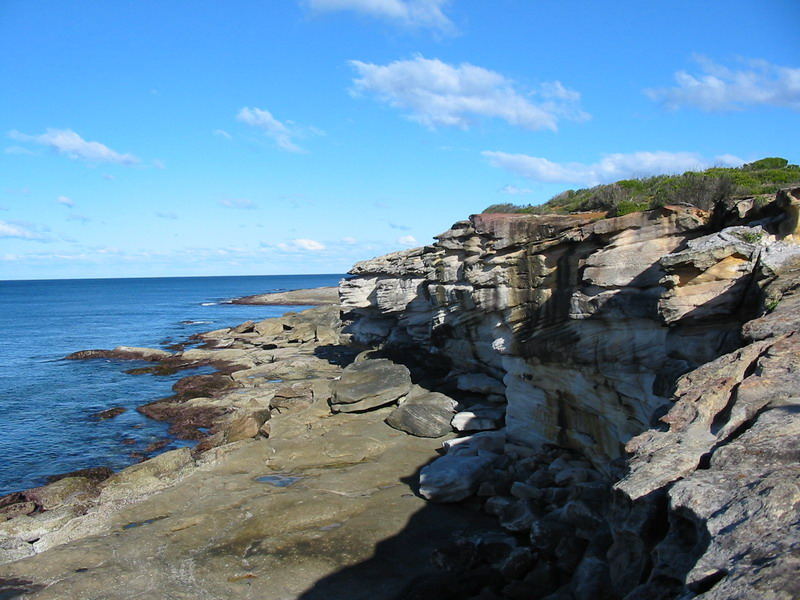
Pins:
x: 652, y: 357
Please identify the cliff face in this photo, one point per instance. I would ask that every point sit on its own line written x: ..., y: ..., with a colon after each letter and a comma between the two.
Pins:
x: 658, y: 346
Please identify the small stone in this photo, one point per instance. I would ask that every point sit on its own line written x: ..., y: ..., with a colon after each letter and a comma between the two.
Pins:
x: 246, y: 426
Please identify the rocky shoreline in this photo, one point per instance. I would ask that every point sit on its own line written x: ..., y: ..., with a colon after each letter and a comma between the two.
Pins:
x: 264, y: 425
x: 534, y: 407
x: 308, y: 297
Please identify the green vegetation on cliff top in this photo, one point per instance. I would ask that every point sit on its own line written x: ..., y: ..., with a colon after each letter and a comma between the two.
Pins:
x: 702, y: 189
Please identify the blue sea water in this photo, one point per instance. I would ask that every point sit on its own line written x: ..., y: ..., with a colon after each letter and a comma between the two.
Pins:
x: 46, y: 402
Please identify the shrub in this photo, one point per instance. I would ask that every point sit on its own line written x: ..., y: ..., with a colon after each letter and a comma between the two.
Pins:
x: 773, y: 162
x: 702, y: 189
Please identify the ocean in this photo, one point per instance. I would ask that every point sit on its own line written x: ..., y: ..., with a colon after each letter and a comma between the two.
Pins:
x: 47, y: 403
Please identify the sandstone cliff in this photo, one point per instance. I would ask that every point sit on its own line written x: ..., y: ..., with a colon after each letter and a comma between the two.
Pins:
x: 643, y: 371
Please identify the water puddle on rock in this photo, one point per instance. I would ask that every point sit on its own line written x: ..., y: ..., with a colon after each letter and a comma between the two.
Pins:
x: 140, y: 523
x: 279, y: 479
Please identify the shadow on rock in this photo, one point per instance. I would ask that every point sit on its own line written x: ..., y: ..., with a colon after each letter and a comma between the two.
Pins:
x: 405, y: 566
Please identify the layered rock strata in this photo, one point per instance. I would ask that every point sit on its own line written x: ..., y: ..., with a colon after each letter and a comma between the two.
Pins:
x: 591, y: 335
x: 619, y: 395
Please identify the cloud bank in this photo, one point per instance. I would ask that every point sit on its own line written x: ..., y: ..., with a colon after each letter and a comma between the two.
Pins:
x: 435, y: 93
x: 72, y: 145
x: 719, y: 88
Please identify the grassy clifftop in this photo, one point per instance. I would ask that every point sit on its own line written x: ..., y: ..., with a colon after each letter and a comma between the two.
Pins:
x: 701, y: 189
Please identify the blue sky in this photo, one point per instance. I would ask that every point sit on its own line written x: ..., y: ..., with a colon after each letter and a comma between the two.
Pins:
x: 151, y: 138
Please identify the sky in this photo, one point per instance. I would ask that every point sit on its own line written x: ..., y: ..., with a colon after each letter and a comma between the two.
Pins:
x: 180, y: 138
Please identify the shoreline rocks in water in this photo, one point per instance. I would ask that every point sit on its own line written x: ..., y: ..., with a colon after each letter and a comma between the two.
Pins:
x: 307, y: 297
x: 108, y: 413
x: 624, y: 398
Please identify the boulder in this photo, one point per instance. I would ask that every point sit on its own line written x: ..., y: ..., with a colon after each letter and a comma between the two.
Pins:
x: 480, y: 383
x: 457, y: 475
x: 424, y: 414
x: 245, y: 327
x: 293, y: 397
x: 479, y: 418
x: 269, y: 327
x: 370, y: 384
x: 247, y: 425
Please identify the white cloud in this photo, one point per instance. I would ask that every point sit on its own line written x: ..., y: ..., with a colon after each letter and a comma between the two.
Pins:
x: 514, y: 190
x: 9, y: 230
x: 222, y: 133
x: 718, y: 88
x: 159, y: 164
x: 411, y: 13
x: 65, y: 201
x: 611, y: 167
x: 436, y: 93
x: 270, y: 126
x: 349, y: 240
x: 301, y: 244
x: 72, y: 145
x: 407, y: 240
x: 17, y: 150
x: 240, y: 203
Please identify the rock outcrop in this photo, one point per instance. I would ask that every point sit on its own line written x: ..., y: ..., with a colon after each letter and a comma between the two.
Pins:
x: 621, y: 396
x: 580, y: 338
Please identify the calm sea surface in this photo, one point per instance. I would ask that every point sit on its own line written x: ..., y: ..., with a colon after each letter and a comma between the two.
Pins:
x: 46, y: 402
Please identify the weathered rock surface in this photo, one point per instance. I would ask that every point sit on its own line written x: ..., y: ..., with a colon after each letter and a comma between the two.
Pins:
x: 458, y: 473
x: 584, y: 331
x: 322, y: 509
x: 635, y: 387
x: 122, y: 353
x: 370, y: 384
x: 309, y: 297
x: 424, y: 414
x: 479, y: 418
